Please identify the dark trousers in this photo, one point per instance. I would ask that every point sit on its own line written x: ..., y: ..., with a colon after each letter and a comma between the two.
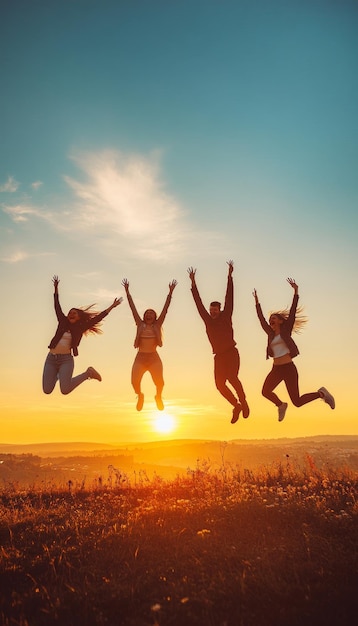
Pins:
x: 226, y: 368
x: 288, y: 374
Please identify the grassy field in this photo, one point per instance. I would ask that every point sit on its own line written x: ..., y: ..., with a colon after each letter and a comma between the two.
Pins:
x: 278, y: 546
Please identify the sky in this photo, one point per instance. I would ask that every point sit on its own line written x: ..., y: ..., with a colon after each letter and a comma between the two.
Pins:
x: 141, y: 138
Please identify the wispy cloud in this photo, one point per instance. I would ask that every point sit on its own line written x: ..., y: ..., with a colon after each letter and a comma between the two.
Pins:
x: 36, y: 184
x: 21, y: 255
x: 120, y: 202
x: 10, y: 186
x: 21, y: 212
x: 124, y: 196
x: 15, y: 257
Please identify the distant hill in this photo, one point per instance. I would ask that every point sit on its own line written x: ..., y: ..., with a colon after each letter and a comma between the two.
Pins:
x: 61, y: 462
x: 84, y: 447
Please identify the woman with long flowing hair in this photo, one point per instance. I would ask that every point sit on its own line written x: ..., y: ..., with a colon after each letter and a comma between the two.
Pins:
x: 282, y: 348
x: 59, y: 364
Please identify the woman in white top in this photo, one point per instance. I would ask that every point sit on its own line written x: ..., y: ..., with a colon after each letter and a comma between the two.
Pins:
x: 148, y: 337
x: 282, y: 348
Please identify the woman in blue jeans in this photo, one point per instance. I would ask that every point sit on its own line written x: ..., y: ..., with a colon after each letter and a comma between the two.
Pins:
x: 282, y: 348
x: 59, y: 363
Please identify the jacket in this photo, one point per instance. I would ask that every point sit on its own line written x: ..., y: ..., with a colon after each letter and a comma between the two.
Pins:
x: 286, y: 329
x: 219, y: 331
x: 76, y: 329
x: 157, y: 326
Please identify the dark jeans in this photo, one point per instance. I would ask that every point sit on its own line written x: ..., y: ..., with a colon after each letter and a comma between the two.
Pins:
x: 226, y: 368
x: 289, y: 375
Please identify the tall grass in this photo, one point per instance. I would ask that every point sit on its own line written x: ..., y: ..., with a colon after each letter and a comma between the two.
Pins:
x: 225, y: 548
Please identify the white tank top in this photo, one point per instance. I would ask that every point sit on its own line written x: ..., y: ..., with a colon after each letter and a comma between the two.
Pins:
x: 279, y: 347
x: 64, y: 345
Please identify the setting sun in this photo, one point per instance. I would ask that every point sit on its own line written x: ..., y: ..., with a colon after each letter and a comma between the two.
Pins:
x: 164, y: 423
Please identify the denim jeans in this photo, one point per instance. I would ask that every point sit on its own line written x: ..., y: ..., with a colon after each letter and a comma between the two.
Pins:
x: 59, y: 367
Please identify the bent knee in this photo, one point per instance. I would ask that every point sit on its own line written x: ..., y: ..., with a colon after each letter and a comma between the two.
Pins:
x: 296, y: 402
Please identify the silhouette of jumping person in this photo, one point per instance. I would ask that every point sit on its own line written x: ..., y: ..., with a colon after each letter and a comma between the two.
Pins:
x: 59, y: 364
x: 282, y: 348
x: 147, y: 339
x: 218, y: 324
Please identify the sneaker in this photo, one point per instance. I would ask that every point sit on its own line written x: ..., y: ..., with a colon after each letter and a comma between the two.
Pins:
x: 327, y: 397
x: 282, y: 411
x: 235, y: 413
x: 159, y: 402
x: 92, y: 373
x: 245, y: 410
x: 140, y: 401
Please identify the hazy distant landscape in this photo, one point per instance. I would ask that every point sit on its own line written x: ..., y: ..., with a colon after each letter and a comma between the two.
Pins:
x: 89, y: 464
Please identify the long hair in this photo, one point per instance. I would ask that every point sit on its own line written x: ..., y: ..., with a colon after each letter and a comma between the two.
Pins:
x: 300, y: 319
x: 86, y: 314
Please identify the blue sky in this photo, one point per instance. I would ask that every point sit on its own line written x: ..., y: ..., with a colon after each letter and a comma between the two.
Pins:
x: 141, y: 137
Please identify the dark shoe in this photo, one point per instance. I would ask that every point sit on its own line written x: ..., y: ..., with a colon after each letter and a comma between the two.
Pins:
x: 92, y: 373
x: 282, y: 411
x: 159, y: 402
x: 327, y: 397
x: 245, y: 410
x: 235, y: 413
x: 140, y: 401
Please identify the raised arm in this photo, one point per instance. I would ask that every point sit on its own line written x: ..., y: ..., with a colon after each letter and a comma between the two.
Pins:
x: 135, y: 313
x: 168, y: 300
x: 229, y: 296
x: 194, y: 290
x: 266, y: 327
x: 59, y: 313
x: 292, y: 314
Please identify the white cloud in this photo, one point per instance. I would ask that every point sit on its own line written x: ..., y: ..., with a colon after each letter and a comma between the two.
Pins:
x: 21, y: 255
x: 21, y: 212
x: 15, y: 257
x: 120, y: 203
x: 10, y: 186
x: 124, y: 196
x: 36, y: 184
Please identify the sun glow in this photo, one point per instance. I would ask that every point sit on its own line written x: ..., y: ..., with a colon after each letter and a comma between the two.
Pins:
x: 164, y: 423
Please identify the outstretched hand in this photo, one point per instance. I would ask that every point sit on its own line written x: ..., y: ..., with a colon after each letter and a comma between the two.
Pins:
x: 125, y: 283
x: 172, y: 285
x: 231, y: 266
x: 192, y: 272
x: 254, y: 293
x: 115, y: 303
x: 292, y: 282
x: 55, y: 281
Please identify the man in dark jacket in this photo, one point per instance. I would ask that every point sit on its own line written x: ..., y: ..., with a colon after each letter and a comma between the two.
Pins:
x: 218, y: 324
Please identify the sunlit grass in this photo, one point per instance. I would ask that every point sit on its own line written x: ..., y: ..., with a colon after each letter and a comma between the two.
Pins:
x: 223, y: 547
